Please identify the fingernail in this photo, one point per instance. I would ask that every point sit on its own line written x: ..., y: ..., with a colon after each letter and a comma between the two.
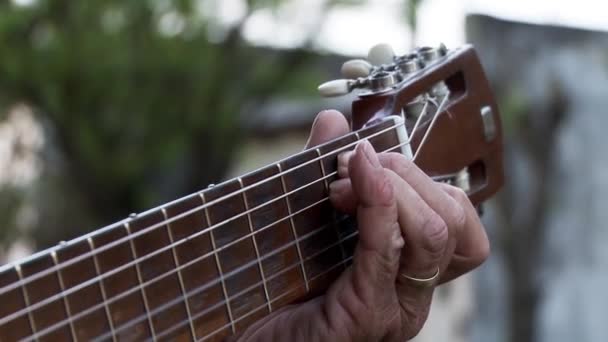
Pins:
x: 369, y: 153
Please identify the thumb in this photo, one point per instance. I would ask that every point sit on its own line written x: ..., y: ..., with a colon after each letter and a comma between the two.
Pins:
x: 329, y: 124
x: 377, y: 256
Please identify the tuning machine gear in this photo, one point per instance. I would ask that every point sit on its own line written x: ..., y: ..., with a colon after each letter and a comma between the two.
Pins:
x: 383, y: 81
x: 409, y: 64
x: 382, y: 71
x: 429, y: 55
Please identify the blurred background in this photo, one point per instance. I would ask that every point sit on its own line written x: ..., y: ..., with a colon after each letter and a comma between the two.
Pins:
x: 113, y: 106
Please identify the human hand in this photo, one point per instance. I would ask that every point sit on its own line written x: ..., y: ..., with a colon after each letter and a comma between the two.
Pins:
x: 409, y: 228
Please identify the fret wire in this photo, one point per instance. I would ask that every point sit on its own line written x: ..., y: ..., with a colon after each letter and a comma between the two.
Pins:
x: 293, y: 228
x: 197, y: 290
x: 334, y: 214
x: 26, y: 298
x: 40, y: 274
x: 184, y: 214
x: 125, y: 266
x: 290, y: 267
x: 140, y: 279
x: 104, y: 296
x: 65, y: 298
x: 255, y: 245
x: 179, y: 275
x: 219, y: 266
x: 342, y: 263
x: 355, y: 233
x: 31, y: 278
x: 242, y: 292
x: 323, y: 170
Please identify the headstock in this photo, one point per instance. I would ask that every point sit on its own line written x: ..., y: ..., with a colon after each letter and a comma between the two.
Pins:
x: 449, y: 110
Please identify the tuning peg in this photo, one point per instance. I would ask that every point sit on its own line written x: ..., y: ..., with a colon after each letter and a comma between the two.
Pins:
x: 336, y: 88
x: 431, y: 54
x: 381, y: 54
x: 356, y: 68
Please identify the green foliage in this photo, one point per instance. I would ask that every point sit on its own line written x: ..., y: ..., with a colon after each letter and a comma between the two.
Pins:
x: 135, y: 92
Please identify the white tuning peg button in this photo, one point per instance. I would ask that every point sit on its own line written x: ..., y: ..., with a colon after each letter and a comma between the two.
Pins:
x: 335, y: 88
x: 356, y: 68
x: 381, y: 54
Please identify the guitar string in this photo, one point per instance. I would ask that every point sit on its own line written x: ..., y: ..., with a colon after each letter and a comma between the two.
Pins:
x: 254, y: 310
x: 251, y: 312
x: 166, y: 248
x: 74, y: 289
x: 224, y: 302
x: 202, y: 257
x: 343, y: 262
x: 194, y: 210
x: 433, y: 120
x: 196, y: 290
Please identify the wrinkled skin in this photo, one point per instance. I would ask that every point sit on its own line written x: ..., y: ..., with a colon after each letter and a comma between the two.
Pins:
x: 408, y: 224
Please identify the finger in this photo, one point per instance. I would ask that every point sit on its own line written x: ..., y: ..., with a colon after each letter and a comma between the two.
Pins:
x: 328, y: 125
x: 378, y: 251
x: 448, y: 209
x: 343, y: 161
x: 452, y: 205
x: 342, y: 196
x: 406, y: 170
x: 425, y: 232
x: 426, y: 241
x: 473, y: 245
x: 425, y: 235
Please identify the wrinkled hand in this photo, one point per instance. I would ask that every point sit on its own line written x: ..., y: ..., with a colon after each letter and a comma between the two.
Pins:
x: 408, y: 225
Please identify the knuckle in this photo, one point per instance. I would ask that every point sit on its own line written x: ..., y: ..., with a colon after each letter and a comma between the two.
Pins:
x: 382, y: 189
x: 458, y: 212
x: 399, y: 163
x: 459, y: 195
x: 459, y: 216
x: 343, y: 159
x: 435, y: 236
x: 482, y: 252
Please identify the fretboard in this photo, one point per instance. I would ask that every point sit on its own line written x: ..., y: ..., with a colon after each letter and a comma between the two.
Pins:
x: 200, y: 268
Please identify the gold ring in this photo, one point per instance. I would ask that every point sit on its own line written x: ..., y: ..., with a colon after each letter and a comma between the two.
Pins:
x: 420, y: 282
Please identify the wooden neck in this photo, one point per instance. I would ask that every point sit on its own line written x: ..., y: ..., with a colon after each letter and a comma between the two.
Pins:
x: 204, y: 267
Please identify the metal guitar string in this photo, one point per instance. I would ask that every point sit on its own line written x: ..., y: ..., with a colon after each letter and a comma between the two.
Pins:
x: 251, y: 312
x: 433, y: 120
x: 194, y: 210
x: 166, y: 248
x: 223, y: 302
x: 183, y: 266
x: 254, y: 310
x: 83, y: 285
x: 196, y: 290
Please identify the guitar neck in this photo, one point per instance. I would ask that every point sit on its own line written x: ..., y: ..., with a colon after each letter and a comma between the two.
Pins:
x: 202, y: 267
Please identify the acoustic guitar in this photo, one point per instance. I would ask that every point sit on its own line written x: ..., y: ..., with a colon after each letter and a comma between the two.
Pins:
x: 206, y: 266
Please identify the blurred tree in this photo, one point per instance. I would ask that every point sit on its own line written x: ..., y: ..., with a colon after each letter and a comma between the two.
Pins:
x: 139, y: 102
